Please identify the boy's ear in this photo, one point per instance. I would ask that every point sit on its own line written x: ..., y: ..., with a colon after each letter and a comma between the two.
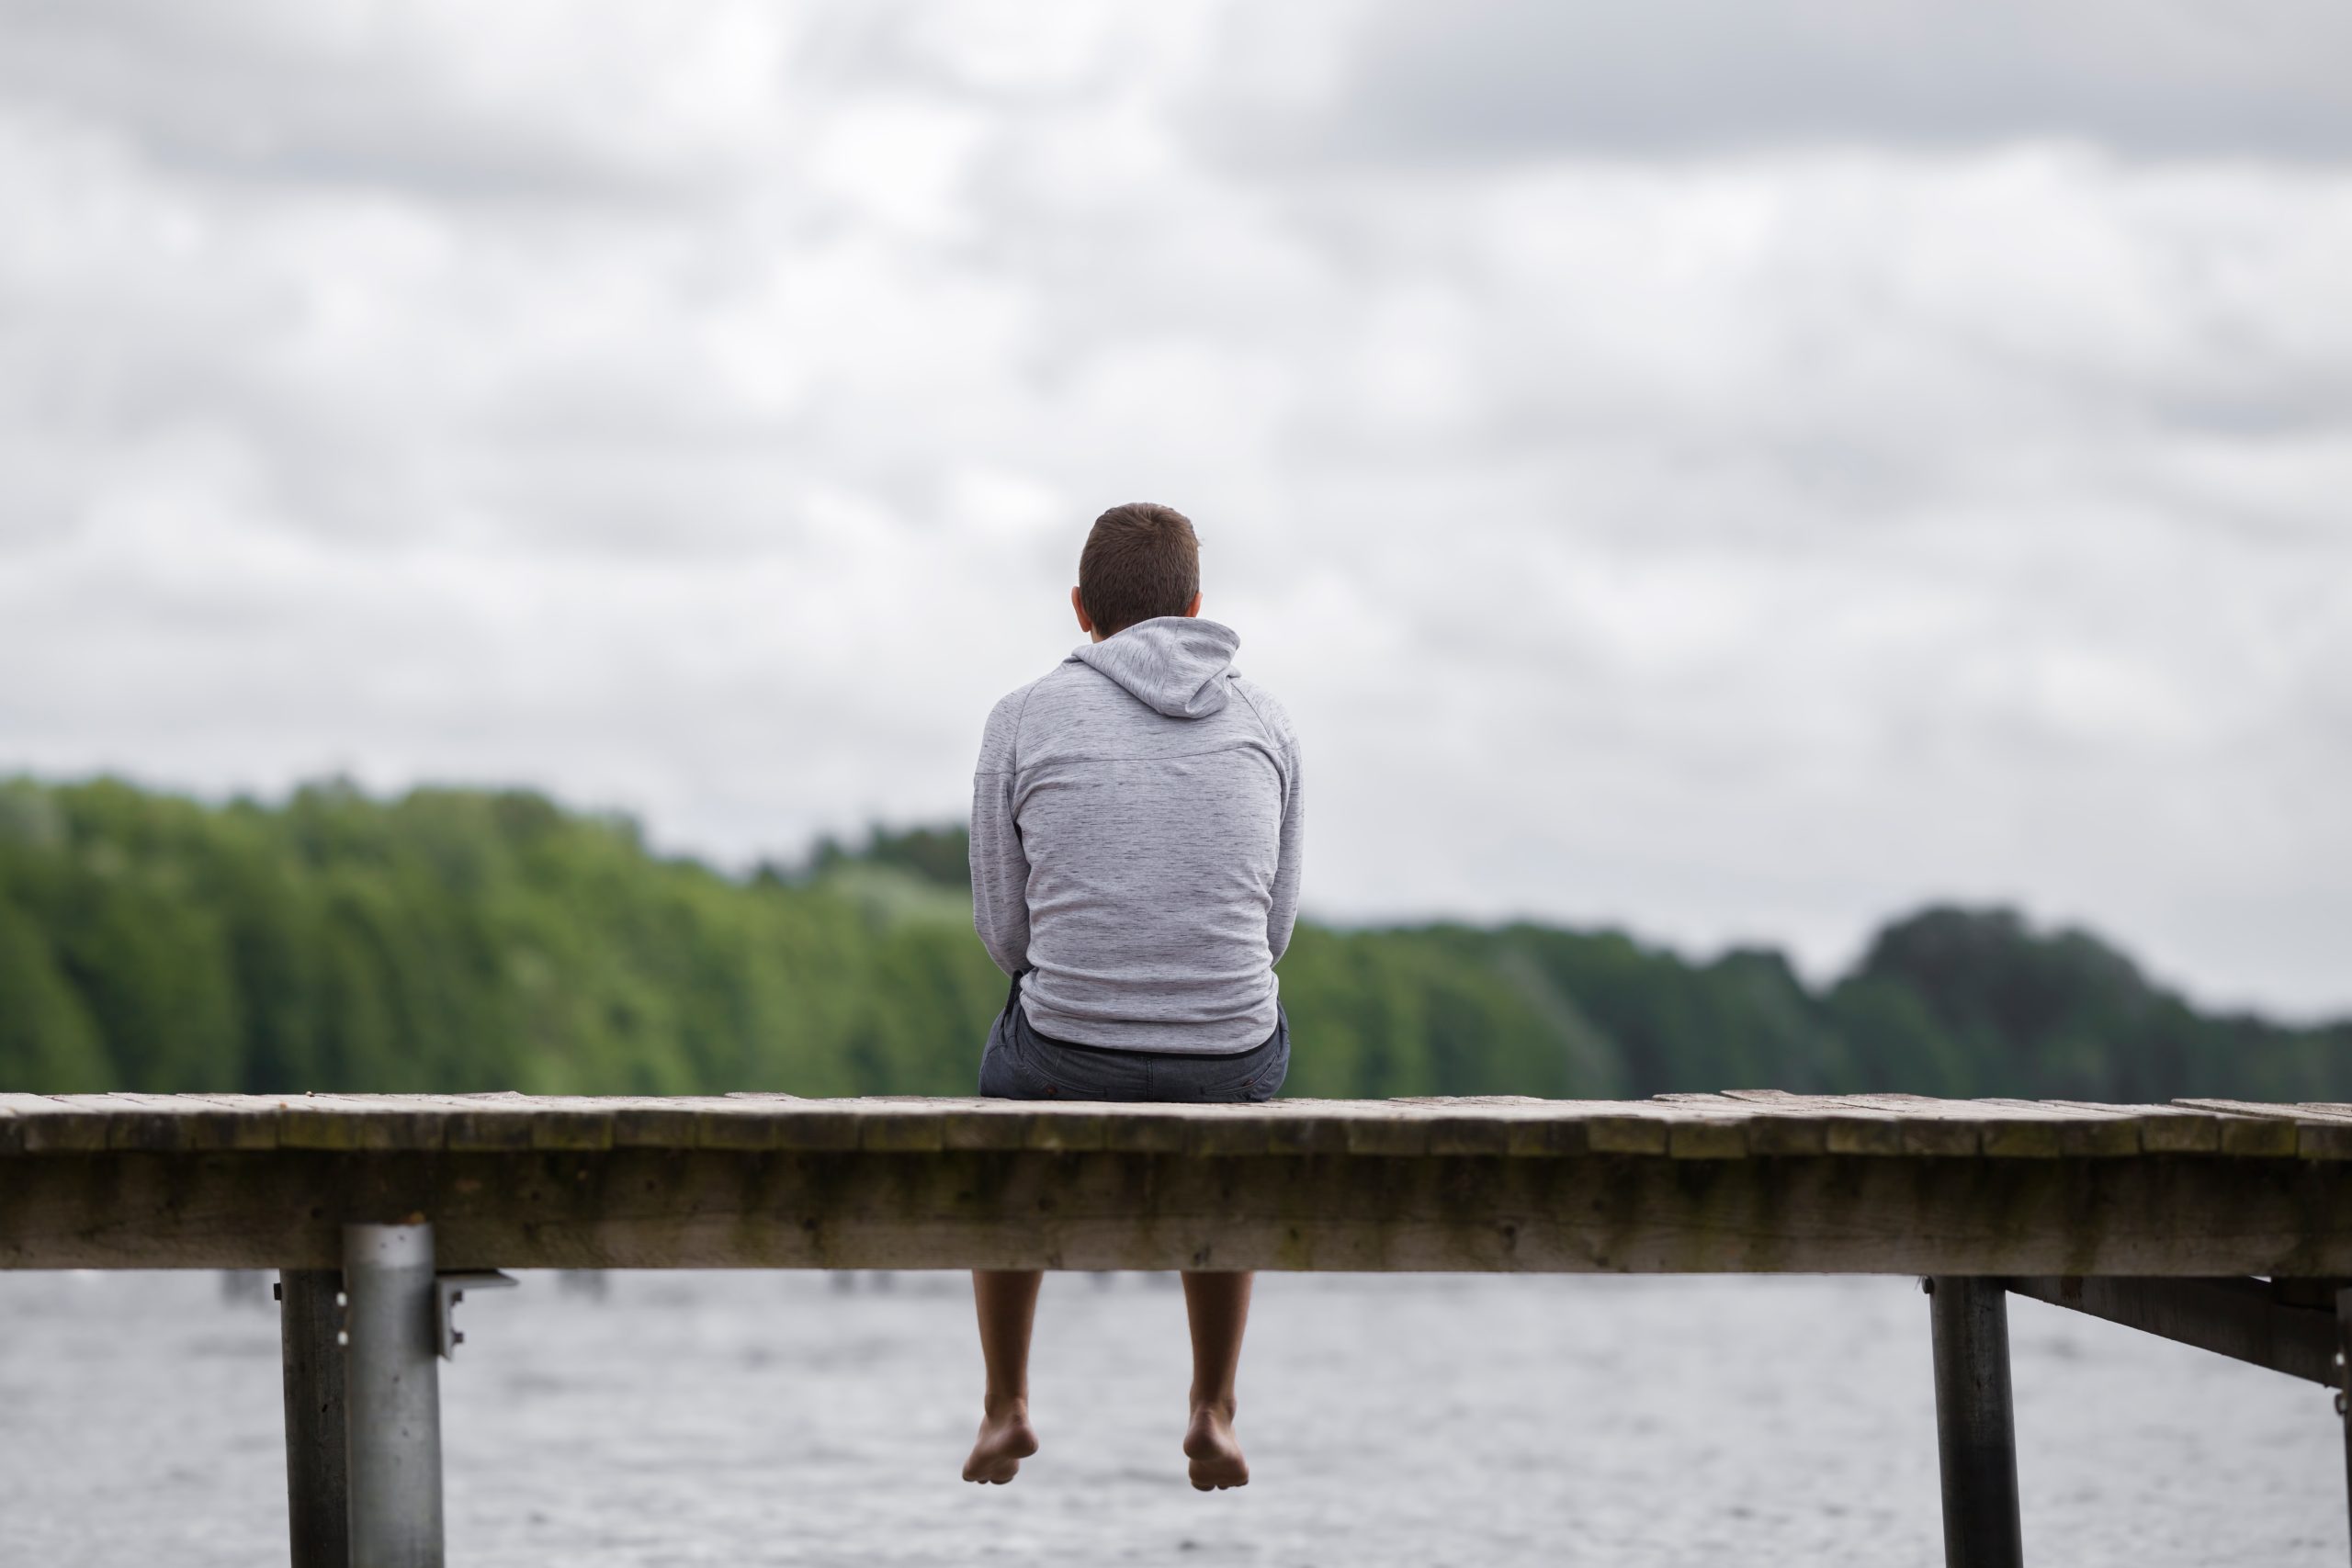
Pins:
x: 1194, y: 607
x: 1077, y: 603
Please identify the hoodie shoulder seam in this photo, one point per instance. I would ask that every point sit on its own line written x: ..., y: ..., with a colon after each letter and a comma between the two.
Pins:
x: 1018, y: 714
x: 1025, y: 694
x: 1241, y: 690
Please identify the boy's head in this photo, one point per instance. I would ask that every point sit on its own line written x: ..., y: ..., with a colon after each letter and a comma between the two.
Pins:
x: 1140, y: 561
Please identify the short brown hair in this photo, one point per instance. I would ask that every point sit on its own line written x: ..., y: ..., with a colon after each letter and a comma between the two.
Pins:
x: 1140, y: 561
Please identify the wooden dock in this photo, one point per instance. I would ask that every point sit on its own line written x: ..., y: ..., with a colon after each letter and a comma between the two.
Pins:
x: 2219, y: 1223
x: 1714, y: 1183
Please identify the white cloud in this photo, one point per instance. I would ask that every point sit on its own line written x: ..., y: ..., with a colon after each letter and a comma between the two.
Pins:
x: 699, y: 413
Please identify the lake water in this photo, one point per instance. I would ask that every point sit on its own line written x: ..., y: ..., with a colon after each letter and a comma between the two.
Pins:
x: 786, y: 1420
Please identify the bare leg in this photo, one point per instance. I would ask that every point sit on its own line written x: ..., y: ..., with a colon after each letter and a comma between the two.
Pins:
x: 1007, y: 1300
x: 1218, y: 1305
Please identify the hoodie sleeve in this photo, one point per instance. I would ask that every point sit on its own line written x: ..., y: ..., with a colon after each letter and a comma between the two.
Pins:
x: 1000, y: 865
x: 1282, y: 915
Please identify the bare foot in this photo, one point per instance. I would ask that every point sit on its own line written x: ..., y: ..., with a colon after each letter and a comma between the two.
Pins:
x: 1006, y: 1439
x: 1215, y: 1451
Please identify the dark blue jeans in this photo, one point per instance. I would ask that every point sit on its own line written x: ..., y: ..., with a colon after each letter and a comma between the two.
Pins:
x: 1021, y: 1063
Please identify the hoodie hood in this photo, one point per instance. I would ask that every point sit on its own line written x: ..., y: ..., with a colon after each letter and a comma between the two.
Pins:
x: 1174, y: 664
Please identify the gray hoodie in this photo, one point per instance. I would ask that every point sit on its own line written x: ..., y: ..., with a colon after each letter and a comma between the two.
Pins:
x: 1136, y: 822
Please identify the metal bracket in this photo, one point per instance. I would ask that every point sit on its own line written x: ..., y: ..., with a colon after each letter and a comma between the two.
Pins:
x: 448, y: 1289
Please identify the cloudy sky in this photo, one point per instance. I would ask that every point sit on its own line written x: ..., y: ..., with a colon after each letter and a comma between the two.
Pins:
x: 1735, y: 468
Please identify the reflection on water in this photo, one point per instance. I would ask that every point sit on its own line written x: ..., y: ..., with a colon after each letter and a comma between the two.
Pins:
x: 765, y: 1418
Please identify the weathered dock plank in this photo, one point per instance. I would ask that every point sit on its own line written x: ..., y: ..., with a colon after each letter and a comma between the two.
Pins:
x: 2313, y: 1131
x: 1733, y: 1125
x: 1743, y: 1181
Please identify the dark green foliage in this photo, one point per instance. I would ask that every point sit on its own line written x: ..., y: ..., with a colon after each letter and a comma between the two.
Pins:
x: 933, y: 854
x: 457, y: 940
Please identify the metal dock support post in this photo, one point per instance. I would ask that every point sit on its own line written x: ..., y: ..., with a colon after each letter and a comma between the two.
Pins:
x: 1975, y: 1430
x: 318, y: 1513
x: 394, y: 1396
x: 2344, y: 1378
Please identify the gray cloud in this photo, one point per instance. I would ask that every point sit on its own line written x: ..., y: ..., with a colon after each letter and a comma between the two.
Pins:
x: 337, y: 97
x: 2166, y: 78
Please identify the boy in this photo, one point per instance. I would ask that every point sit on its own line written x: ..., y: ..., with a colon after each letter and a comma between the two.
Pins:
x: 1136, y: 822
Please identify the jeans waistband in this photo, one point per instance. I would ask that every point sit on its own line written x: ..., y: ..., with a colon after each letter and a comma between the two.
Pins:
x: 1013, y: 1007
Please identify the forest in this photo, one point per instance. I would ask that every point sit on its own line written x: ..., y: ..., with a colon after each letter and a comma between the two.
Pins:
x: 454, y: 940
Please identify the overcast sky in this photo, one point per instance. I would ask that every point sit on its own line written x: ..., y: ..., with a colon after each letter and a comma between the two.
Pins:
x: 1738, y: 469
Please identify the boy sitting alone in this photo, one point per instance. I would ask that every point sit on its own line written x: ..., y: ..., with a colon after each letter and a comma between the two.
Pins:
x: 1136, y: 825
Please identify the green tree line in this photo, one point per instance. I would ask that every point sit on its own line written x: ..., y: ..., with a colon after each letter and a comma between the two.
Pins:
x: 463, y: 939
